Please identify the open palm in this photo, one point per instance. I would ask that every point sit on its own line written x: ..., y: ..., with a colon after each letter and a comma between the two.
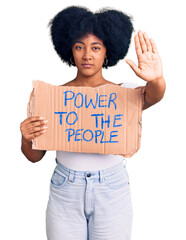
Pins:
x: 149, y: 62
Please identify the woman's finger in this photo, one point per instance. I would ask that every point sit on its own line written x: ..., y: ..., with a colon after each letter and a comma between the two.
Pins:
x: 137, y: 45
x: 32, y: 125
x: 37, y: 129
x: 142, y: 42
x: 154, y: 48
x: 34, y: 135
x: 31, y: 119
x: 148, y: 44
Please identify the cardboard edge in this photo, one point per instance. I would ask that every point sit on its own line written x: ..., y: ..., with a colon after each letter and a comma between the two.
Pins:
x: 35, y: 82
x: 141, y: 103
x: 31, y: 107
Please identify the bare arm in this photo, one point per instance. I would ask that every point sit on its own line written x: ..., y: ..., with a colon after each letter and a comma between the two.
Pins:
x: 31, y: 128
x: 154, y: 92
x: 31, y: 154
x: 149, y: 69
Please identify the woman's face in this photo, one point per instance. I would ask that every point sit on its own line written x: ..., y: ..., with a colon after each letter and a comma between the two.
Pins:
x: 89, y: 54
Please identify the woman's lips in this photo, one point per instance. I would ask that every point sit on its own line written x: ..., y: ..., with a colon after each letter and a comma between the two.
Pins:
x: 87, y: 65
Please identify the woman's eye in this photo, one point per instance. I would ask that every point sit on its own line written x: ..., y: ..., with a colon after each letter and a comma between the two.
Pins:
x: 78, y: 47
x: 96, y: 48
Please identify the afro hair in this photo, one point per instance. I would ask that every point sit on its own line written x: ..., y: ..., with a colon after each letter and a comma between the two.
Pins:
x: 113, y: 27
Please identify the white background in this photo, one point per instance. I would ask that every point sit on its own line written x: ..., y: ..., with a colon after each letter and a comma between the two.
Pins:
x: 157, y: 172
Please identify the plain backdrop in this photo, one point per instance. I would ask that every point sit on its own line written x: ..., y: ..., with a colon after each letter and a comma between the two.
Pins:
x: 157, y: 172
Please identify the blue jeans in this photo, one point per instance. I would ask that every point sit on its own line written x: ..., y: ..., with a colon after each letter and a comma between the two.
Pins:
x: 93, y: 205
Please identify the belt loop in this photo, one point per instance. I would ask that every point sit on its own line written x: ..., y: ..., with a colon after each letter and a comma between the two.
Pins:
x: 100, y: 176
x: 71, y: 176
x: 125, y: 162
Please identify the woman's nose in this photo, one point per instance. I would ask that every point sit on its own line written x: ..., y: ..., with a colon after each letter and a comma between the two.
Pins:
x: 86, y: 58
x: 87, y: 55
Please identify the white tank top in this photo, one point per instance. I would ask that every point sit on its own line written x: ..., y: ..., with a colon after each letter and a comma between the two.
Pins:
x: 90, y: 161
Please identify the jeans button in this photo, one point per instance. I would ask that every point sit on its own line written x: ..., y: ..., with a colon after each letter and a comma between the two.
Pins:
x: 89, y: 175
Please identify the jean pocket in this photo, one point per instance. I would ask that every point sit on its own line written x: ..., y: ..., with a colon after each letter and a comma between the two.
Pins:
x: 117, y: 180
x: 58, y: 179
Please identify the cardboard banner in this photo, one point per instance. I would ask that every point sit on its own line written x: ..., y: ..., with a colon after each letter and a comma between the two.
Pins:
x: 105, y: 119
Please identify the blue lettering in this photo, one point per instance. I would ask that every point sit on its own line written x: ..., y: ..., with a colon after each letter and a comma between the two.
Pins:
x: 90, y: 102
x: 111, y: 136
x: 98, y: 101
x: 103, y: 138
x: 60, y: 116
x: 117, y: 117
x: 73, y: 94
x: 70, y: 135
x: 96, y: 135
x: 112, y: 100
x: 106, y: 121
x: 102, y: 100
x: 96, y: 115
x: 81, y: 100
x: 77, y: 134
x: 84, y: 135
x: 74, y: 120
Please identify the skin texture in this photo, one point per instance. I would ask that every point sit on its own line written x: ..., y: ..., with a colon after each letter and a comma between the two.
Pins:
x: 149, y: 68
x: 90, y: 50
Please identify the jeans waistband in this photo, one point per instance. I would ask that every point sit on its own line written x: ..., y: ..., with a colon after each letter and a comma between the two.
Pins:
x: 96, y: 174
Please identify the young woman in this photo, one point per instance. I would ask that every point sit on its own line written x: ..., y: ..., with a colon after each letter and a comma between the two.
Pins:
x: 90, y: 193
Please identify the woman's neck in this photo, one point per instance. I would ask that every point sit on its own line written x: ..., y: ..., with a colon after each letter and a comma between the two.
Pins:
x: 90, y: 81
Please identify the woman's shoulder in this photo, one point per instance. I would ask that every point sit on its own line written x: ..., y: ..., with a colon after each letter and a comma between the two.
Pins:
x: 70, y: 83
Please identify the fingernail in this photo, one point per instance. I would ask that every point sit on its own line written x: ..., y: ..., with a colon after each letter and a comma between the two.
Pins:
x: 41, y: 118
x: 45, y: 121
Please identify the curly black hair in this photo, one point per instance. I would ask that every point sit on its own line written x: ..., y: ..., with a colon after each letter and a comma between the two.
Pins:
x: 113, y: 27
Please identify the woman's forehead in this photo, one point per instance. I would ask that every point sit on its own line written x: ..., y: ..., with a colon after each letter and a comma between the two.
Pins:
x: 90, y: 38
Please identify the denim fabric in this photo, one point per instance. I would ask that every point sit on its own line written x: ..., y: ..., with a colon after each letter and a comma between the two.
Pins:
x: 93, y: 205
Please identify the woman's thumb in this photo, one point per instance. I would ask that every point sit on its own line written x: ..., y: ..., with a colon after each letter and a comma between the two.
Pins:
x: 132, y: 65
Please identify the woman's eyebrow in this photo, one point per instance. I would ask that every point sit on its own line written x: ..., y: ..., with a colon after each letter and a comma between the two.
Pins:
x: 94, y: 43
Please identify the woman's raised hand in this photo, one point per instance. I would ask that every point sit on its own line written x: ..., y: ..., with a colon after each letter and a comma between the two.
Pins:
x: 33, y: 127
x: 149, y: 62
